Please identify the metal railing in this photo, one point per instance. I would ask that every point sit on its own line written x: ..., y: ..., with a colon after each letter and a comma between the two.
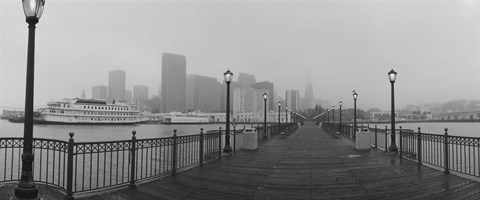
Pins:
x: 446, y: 152
x: 79, y: 167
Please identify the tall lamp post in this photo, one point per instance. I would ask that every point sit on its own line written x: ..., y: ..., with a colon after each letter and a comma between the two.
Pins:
x: 328, y: 116
x: 333, y: 116
x: 279, y: 104
x: 291, y: 116
x: 392, y: 75
x: 228, y: 75
x: 340, y: 104
x: 355, y: 95
x: 265, y: 96
x: 286, y: 114
x: 26, y: 188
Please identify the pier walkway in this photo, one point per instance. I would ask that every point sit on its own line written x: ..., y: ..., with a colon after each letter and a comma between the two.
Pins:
x: 308, y: 164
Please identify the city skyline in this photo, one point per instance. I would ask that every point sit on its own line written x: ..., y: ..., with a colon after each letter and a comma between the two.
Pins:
x: 341, y: 45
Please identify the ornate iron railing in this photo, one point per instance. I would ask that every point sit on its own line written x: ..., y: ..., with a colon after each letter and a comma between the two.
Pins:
x: 78, y: 167
x: 449, y: 153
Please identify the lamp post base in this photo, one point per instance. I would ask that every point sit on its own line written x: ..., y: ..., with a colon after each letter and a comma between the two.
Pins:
x: 393, y: 148
x: 22, y: 192
x: 227, y: 149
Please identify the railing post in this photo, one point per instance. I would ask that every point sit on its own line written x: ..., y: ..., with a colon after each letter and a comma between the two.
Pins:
x: 376, y: 143
x: 132, y: 161
x: 386, y: 136
x: 419, y: 147
x: 174, y: 153
x: 71, y: 144
x: 401, y: 144
x: 201, y: 146
x: 234, y: 139
x: 220, y: 143
x: 445, y: 141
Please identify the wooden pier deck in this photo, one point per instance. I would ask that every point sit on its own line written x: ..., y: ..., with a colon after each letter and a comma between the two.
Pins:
x: 308, y: 164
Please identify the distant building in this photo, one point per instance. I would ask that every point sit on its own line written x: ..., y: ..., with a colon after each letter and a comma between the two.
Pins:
x: 246, y: 80
x: 99, y: 92
x: 83, y: 96
x: 128, y: 96
x: 248, y: 100
x: 459, y: 116
x: 292, y: 98
x: 203, y: 94
x: 174, y: 69
x: 266, y: 86
x: 116, y: 85
x: 308, y: 100
x: 151, y: 105
x: 140, y: 92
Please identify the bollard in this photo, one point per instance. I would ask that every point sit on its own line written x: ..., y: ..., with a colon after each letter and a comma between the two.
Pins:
x: 376, y: 143
x: 174, y: 153
x: 419, y: 147
x: 445, y: 141
x: 386, y: 145
x: 132, y: 161
x: 70, y: 167
x: 401, y: 145
x: 201, y: 146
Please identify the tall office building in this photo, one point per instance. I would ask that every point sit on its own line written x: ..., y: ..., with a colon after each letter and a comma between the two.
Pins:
x: 116, y: 85
x: 248, y: 100
x: 246, y: 80
x: 128, y: 96
x: 266, y: 86
x: 140, y: 92
x: 99, y: 92
x: 292, y: 98
x: 174, y: 69
x: 309, y: 100
x: 203, y: 94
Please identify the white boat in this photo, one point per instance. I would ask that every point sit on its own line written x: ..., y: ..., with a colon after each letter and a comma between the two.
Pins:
x: 87, y: 111
x: 185, y: 118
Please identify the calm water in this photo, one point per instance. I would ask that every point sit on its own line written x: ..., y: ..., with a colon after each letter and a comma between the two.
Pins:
x: 87, y: 133
x: 469, y: 129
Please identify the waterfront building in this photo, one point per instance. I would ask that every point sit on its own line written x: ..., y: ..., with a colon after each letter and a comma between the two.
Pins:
x: 174, y: 68
x: 246, y: 80
x: 266, y: 86
x: 116, y: 85
x: 292, y: 98
x: 258, y: 117
x: 99, y: 92
x: 203, y: 94
x: 140, y: 92
x: 459, y: 116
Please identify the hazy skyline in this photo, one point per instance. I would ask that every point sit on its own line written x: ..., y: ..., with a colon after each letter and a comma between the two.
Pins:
x: 341, y: 45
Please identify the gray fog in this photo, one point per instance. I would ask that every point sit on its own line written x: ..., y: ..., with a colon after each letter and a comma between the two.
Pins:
x: 344, y: 45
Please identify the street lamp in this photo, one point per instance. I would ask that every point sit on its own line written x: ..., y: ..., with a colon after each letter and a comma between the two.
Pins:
x: 26, y: 188
x: 355, y: 95
x: 279, y: 104
x: 328, y: 116
x: 286, y: 114
x: 333, y: 115
x: 392, y: 75
x: 228, y: 75
x: 265, y: 96
x: 291, y: 116
x: 340, y: 104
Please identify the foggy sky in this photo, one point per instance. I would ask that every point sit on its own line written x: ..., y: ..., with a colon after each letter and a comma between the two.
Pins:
x: 341, y: 45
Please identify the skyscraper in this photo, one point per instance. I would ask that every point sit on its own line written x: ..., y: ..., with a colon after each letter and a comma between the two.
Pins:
x: 309, y: 100
x: 99, y: 92
x: 246, y: 80
x: 174, y: 69
x: 292, y: 99
x: 140, y: 92
x: 268, y: 87
x: 116, y: 85
x: 128, y: 96
x: 203, y: 93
